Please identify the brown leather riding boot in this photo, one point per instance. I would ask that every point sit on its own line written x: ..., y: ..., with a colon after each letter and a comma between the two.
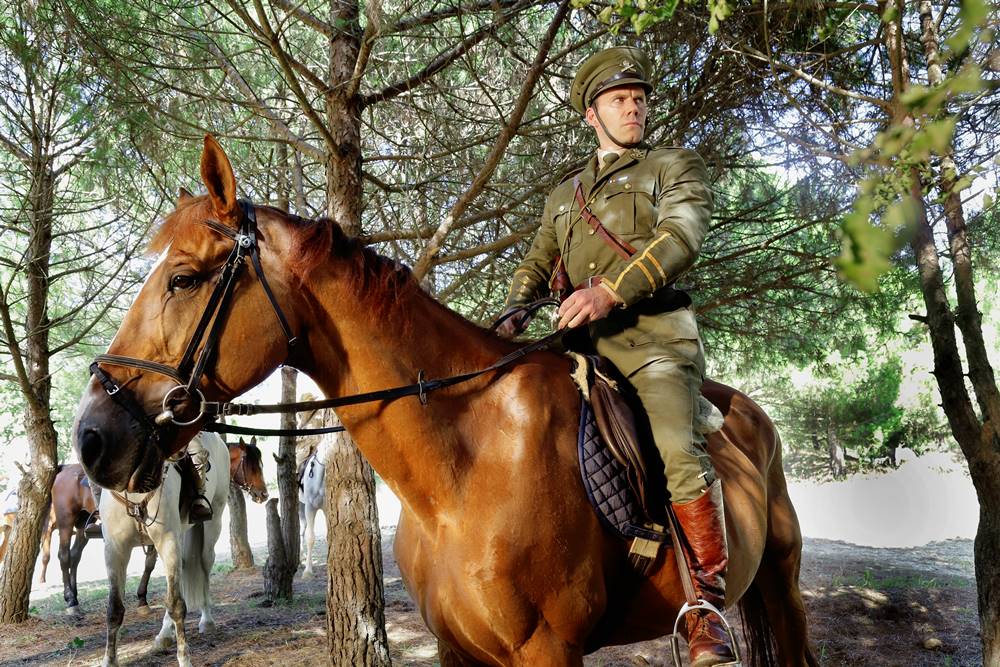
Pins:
x: 703, y: 522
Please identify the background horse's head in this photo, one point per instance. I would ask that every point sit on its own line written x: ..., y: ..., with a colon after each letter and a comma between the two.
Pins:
x: 117, y: 446
x: 246, y: 469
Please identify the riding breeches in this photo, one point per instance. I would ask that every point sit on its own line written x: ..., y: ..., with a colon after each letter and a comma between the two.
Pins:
x: 669, y: 387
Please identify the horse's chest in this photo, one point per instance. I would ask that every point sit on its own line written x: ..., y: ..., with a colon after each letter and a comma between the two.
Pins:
x: 487, y: 596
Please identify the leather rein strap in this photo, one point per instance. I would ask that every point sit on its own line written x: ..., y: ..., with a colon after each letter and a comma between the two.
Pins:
x: 623, y: 248
x: 215, y: 314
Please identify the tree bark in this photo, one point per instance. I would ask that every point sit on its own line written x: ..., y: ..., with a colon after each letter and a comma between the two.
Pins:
x: 32, y: 367
x: 283, y: 532
x: 355, y: 602
x: 977, y: 437
x: 239, y: 545
x: 355, y: 620
x: 277, y: 561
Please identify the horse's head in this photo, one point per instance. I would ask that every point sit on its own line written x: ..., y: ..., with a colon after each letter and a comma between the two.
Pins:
x: 136, y: 411
x: 246, y: 469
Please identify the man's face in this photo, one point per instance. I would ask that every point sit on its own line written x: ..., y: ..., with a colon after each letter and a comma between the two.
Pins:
x: 623, y: 111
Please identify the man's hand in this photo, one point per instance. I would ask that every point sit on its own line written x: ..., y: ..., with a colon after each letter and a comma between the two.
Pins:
x: 513, y: 325
x: 586, y: 305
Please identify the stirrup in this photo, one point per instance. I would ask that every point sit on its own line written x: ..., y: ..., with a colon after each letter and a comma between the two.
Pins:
x: 707, y: 606
x: 93, y: 527
x: 201, y: 519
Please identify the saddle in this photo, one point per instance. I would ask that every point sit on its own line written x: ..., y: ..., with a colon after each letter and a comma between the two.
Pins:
x: 622, y: 472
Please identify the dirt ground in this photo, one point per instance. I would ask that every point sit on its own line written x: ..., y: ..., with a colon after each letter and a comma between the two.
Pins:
x: 868, y: 606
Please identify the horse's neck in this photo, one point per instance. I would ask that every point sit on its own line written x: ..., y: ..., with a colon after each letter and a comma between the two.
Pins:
x: 412, y: 446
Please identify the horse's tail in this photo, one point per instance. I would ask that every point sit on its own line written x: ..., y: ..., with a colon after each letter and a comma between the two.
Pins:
x: 757, y: 630
x: 194, y: 574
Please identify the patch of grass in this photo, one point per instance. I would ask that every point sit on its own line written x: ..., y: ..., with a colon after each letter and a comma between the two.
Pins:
x: 868, y: 579
x: 222, y: 568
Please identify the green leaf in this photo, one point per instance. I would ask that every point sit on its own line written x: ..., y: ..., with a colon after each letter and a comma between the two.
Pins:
x: 890, y: 13
x: 605, y: 15
x: 719, y: 10
x: 643, y: 20
x: 867, y: 248
x: 971, y: 15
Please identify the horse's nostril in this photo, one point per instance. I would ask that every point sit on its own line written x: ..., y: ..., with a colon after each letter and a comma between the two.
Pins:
x: 91, y: 447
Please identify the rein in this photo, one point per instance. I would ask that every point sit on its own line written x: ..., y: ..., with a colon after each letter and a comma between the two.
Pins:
x: 245, y: 245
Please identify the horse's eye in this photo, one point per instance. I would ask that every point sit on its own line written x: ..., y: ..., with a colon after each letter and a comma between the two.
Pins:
x: 182, y: 282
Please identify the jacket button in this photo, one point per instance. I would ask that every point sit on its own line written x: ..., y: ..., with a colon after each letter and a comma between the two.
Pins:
x: 628, y: 186
x: 590, y: 231
x: 592, y: 265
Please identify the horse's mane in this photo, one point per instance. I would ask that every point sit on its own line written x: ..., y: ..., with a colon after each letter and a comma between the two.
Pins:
x: 379, y: 282
x: 254, y: 455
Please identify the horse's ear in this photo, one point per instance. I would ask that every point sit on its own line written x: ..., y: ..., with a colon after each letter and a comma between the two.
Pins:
x: 184, y: 195
x: 253, y: 441
x: 217, y: 174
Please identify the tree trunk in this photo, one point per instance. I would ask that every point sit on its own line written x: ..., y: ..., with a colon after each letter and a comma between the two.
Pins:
x: 32, y: 370
x: 977, y: 438
x: 277, y: 560
x: 239, y: 545
x: 283, y: 563
x: 355, y: 604
x: 355, y: 620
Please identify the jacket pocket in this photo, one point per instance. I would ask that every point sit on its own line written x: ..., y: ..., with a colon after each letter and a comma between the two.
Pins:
x: 617, y: 212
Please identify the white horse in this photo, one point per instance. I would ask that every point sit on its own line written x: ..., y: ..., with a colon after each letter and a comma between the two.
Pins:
x: 312, y: 495
x: 187, y: 551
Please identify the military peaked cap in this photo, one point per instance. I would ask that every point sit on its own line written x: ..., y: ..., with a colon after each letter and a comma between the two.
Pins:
x: 610, y: 68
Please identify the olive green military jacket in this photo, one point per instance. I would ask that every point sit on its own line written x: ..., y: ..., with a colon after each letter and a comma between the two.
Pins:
x: 657, y: 200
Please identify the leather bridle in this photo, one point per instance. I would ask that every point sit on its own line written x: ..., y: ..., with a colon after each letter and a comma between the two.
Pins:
x: 191, y: 367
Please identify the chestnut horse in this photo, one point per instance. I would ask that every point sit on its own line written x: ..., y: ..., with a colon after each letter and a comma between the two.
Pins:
x: 496, y: 541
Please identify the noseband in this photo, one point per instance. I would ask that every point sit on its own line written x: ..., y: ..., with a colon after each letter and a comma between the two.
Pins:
x: 192, y: 365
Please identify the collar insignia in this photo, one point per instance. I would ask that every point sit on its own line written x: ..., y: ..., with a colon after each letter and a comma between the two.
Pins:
x: 635, y: 154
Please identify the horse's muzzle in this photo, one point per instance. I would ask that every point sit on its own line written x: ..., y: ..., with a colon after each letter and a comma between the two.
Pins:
x: 116, y: 452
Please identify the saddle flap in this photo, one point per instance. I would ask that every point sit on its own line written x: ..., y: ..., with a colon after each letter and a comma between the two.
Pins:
x: 616, y: 422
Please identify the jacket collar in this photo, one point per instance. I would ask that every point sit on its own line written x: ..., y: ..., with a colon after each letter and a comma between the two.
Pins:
x: 627, y: 159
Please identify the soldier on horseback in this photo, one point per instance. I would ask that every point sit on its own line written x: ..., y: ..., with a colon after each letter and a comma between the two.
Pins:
x: 624, y: 228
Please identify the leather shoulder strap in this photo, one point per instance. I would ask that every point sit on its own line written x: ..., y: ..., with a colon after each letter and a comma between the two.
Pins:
x: 624, y: 249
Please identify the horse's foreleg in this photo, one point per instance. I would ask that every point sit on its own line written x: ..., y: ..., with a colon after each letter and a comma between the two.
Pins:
x: 546, y: 649
x: 173, y: 619
x: 66, y: 565
x: 115, y: 561
x: 310, y: 539
x: 212, y: 531
x: 449, y: 657
x: 143, y: 607
x: 79, y: 542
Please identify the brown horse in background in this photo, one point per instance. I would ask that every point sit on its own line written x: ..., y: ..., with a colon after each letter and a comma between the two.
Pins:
x: 496, y: 542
